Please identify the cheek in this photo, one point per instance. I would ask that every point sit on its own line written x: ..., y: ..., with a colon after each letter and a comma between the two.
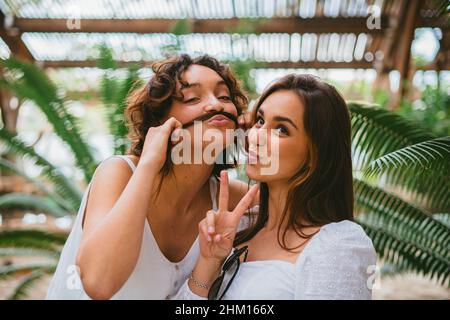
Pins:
x: 292, y: 155
x: 184, y: 113
x: 230, y: 108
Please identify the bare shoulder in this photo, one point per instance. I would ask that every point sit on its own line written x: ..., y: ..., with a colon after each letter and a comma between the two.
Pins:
x: 113, y: 167
x: 237, y: 190
x: 108, y: 183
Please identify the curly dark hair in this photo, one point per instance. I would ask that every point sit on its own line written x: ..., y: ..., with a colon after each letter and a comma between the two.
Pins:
x: 148, y: 105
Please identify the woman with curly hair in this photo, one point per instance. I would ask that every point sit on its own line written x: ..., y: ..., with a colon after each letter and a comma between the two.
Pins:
x: 135, y: 235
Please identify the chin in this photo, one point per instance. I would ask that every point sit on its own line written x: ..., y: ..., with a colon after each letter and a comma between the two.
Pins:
x: 256, y: 172
x: 253, y: 171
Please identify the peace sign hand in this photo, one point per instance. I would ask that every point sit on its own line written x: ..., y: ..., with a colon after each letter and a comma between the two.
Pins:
x: 218, y: 230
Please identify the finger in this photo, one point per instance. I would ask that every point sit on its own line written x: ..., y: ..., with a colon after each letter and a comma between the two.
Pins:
x: 210, y: 222
x: 245, y: 202
x: 176, y: 136
x: 172, y: 124
x: 217, y: 238
x: 248, y: 119
x: 245, y: 120
x: 204, y: 231
x: 241, y: 121
x: 226, y: 243
x: 223, y: 195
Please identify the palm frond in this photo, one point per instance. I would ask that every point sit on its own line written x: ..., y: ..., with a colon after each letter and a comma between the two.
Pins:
x: 401, y: 218
x: 14, y: 269
x: 16, y: 200
x: 105, y: 58
x: 29, y: 252
x: 428, y: 155
x: 116, y: 109
x: 11, y: 167
x: 418, y: 173
x: 21, y: 289
x: 63, y: 185
x: 32, y: 239
x: 408, y: 256
x: 114, y: 92
x: 426, y: 188
x: 377, y: 131
x: 443, y: 217
x: 30, y: 83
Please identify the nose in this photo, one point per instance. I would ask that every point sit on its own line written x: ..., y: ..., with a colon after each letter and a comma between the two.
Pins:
x: 213, y: 105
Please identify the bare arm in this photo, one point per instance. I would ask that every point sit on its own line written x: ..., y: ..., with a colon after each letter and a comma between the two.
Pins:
x: 116, y: 214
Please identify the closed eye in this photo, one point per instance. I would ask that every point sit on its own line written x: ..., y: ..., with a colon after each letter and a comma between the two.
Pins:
x: 191, y: 100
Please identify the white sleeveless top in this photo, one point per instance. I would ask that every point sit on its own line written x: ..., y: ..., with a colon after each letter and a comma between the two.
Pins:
x: 154, y: 277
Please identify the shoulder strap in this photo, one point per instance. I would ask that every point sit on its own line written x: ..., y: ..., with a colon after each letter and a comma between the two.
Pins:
x: 129, y: 161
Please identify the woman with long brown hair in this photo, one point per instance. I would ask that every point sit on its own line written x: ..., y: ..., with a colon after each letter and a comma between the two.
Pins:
x: 135, y: 235
x: 304, y: 243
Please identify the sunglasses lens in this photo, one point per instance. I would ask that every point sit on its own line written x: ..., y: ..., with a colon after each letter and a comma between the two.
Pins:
x: 214, y: 290
x: 229, y: 271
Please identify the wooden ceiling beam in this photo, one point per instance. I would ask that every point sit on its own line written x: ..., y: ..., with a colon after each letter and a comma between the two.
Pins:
x: 12, y: 37
x: 269, y: 65
x: 276, y: 65
x: 275, y: 25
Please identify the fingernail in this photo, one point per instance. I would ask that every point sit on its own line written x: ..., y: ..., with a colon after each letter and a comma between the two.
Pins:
x: 210, y: 229
x: 208, y: 238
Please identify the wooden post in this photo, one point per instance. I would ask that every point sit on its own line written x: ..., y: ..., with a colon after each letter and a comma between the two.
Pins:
x: 403, y: 56
x: 12, y: 37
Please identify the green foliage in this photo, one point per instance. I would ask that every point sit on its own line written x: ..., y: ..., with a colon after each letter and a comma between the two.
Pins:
x: 405, y: 178
x: 25, y: 284
x: 377, y: 131
x: 63, y: 186
x: 28, y: 201
x: 58, y: 195
x: 432, y: 110
x: 28, y: 82
x: 114, y: 91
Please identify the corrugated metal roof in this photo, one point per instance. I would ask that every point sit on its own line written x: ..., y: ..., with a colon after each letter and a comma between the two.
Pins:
x: 178, y: 9
x: 263, y: 47
x: 4, y: 50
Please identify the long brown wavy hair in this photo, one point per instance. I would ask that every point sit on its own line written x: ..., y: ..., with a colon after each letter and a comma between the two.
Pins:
x: 321, y: 192
x: 148, y: 105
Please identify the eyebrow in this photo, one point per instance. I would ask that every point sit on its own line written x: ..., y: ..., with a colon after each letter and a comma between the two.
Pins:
x: 197, y: 84
x: 280, y: 118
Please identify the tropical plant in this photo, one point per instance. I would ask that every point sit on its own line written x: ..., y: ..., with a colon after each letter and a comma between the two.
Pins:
x: 27, y: 82
x: 401, y: 181
x: 56, y: 194
x: 114, y: 91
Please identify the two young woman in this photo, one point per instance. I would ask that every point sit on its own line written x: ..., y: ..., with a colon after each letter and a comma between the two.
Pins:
x: 141, y: 232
